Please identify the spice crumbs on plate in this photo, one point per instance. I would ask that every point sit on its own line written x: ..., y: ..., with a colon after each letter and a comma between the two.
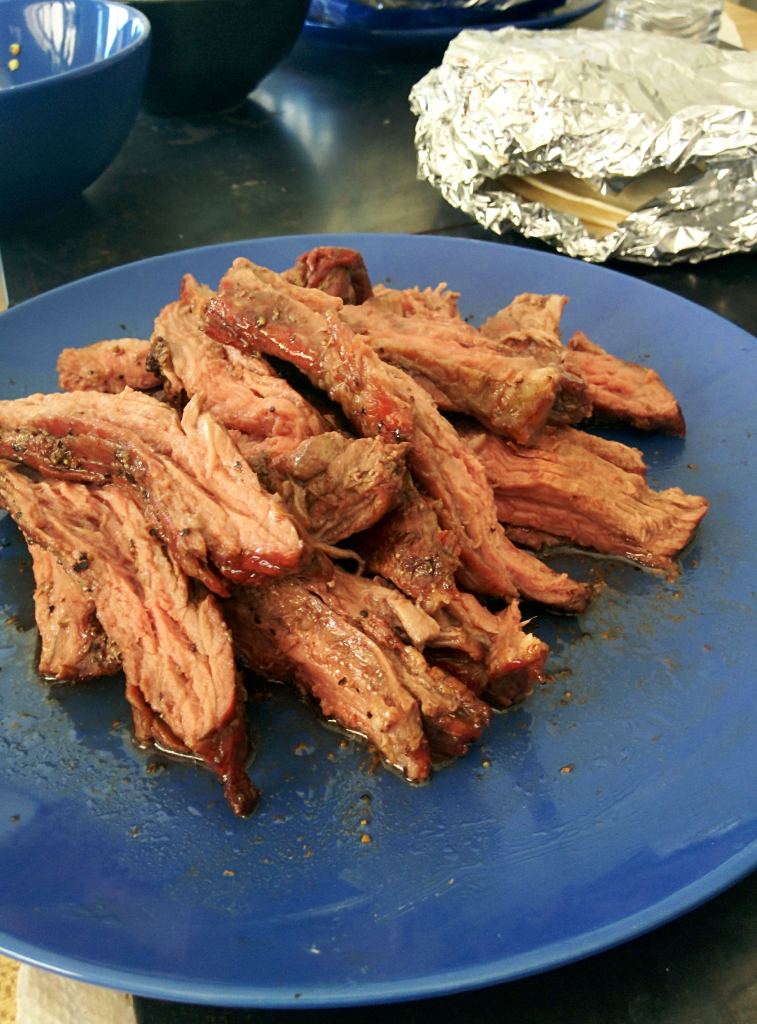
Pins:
x: 13, y: 65
x: 567, y: 768
x: 228, y: 872
x: 15, y: 49
x: 365, y: 838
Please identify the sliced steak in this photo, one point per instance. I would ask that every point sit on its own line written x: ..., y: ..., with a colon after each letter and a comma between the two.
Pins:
x: 287, y: 632
x: 411, y: 549
x: 624, y: 392
x: 537, y: 316
x: 74, y: 644
x: 242, y: 391
x: 489, y: 653
x: 175, y: 647
x: 452, y: 715
x: 332, y: 270
x: 334, y: 485
x: 507, y: 395
x: 108, y: 366
x: 587, y: 494
x: 187, y: 474
x: 256, y: 309
x: 428, y: 302
x: 529, y: 329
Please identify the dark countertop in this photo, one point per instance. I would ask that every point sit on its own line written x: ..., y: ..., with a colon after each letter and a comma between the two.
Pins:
x: 326, y: 145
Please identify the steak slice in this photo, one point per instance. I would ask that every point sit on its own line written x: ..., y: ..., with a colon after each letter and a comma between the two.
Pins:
x: 175, y: 647
x: 507, y: 395
x: 256, y: 309
x: 536, y: 316
x: 332, y: 270
x: 428, y: 302
x: 624, y: 392
x: 286, y: 632
x: 409, y: 547
x: 489, y: 653
x: 243, y: 392
x: 74, y: 644
x: 108, y: 366
x: 333, y: 485
x: 586, y: 492
x: 452, y: 716
x: 187, y: 474
x: 529, y: 329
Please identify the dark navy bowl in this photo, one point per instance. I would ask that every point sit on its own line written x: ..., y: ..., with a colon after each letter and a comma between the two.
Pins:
x: 68, y: 105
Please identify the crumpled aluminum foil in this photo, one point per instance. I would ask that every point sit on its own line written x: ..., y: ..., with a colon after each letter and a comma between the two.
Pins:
x: 606, y: 107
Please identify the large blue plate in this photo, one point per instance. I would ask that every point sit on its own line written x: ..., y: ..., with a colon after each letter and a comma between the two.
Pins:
x: 121, y: 874
x: 356, y: 33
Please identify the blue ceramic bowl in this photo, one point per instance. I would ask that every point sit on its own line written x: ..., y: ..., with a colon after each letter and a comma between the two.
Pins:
x: 71, y: 78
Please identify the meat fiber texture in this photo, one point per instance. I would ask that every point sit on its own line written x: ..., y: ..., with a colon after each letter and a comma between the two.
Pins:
x: 174, y: 645
x: 231, y: 481
x: 107, y: 366
x: 571, y: 487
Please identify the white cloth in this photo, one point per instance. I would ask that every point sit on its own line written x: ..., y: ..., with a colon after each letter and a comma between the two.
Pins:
x: 45, y: 998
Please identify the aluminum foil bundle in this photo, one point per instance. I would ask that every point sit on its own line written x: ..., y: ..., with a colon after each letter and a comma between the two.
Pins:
x: 607, y: 109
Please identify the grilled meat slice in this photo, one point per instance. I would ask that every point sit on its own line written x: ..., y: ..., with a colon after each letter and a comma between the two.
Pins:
x: 256, y: 309
x: 490, y: 653
x: 175, y: 647
x: 529, y: 329
x: 452, y: 716
x: 332, y: 270
x: 624, y: 392
x: 74, y: 644
x: 536, y: 316
x: 428, y: 302
x: 410, y: 548
x: 287, y: 632
x: 507, y: 395
x: 334, y: 485
x: 589, y: 492
x: 187, y: 474
x: 108, y: 366
x: 242, y: 391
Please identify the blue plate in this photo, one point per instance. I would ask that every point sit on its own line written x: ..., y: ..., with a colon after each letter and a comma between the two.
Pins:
x: 358, y: 33
x: 358, y: 15
x: 123, y: 872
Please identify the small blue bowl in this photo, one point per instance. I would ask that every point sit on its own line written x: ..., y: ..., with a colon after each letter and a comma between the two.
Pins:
x: 71, y: 78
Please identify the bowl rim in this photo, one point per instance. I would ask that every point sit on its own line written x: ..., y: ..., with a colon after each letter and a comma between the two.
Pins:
x: 92, y: 67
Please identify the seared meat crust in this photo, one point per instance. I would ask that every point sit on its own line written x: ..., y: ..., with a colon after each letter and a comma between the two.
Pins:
x: 108, y: 366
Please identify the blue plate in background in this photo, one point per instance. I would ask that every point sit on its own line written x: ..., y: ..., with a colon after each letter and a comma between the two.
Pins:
x: 343, y: 23
x: 123, y: 870
x: 346, y: 13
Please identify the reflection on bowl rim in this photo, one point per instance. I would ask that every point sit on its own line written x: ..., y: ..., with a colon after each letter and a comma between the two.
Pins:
x: 91, y: 67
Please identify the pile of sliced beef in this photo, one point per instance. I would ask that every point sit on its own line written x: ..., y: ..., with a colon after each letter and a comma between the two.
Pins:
x: 190, y: 513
